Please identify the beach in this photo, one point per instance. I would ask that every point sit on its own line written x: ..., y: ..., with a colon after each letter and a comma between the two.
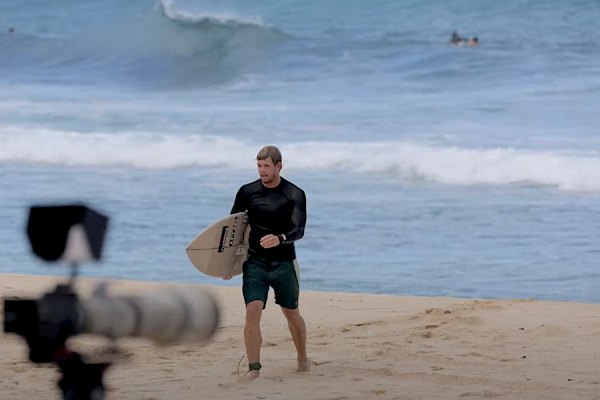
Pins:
x: 362, y: 346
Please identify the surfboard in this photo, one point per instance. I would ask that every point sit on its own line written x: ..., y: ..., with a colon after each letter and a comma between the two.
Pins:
x: 222, y: 247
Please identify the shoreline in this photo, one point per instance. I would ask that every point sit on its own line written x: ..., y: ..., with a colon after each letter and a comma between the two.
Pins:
x: 218, y: 283
x: 361, y: 346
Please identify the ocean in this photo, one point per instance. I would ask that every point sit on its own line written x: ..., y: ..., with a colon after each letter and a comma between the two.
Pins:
x: 429, y: 168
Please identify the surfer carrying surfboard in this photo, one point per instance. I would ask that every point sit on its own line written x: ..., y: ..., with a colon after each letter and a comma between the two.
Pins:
x: 277, y: 216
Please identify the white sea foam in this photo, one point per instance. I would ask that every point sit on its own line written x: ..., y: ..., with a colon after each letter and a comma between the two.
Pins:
x: 574, y: 171
x: 125, y: 150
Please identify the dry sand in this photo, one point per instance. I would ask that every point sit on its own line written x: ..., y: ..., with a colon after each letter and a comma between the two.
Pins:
x: 362, y: 347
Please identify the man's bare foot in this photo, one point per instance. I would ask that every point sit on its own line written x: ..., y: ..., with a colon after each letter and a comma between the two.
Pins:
x: 303, y: 366
x: 250, y: 376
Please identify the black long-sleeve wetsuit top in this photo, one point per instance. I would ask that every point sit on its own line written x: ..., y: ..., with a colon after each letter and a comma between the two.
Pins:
x: 278, y: 210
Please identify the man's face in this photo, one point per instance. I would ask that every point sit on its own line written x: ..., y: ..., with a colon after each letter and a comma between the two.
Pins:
x: 268, y: 172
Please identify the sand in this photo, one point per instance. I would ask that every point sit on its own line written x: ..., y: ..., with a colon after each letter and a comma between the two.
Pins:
x: 362, y: 347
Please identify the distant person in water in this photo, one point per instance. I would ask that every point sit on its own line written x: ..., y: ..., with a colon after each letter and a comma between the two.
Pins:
x: 11, y: 30
x: 458, y: 40
x: 474, y: 41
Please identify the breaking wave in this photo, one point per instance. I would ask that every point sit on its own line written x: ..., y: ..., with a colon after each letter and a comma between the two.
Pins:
x: 406, y: 161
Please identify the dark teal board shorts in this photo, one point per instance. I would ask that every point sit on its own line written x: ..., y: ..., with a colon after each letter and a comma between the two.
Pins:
x: 260, y: 274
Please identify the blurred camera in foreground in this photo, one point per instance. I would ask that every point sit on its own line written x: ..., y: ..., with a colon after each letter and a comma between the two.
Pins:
x: 169, y: 316
x: 75, y: 234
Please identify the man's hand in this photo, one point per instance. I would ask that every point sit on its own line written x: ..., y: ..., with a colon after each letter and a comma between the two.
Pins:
x: 269, y: 241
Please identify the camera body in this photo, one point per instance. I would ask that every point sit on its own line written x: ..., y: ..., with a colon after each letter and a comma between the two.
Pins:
x: 45, y: 323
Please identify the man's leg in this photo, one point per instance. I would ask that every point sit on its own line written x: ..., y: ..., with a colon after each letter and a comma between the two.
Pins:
x: 298, y: 330
x: 252, y: 335
x: 255, y: 288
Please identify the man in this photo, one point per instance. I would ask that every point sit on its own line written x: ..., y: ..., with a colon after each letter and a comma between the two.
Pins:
x: 474, y: 41
x: 277, y: 216
x: 456, y: 38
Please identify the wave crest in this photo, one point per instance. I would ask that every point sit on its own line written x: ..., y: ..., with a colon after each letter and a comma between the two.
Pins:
x: 170, y: 11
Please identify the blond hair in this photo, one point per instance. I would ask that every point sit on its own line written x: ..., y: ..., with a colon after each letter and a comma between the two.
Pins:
x: 271, y: 152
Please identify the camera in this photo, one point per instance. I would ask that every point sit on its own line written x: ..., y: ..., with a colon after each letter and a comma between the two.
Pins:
x: 75, y: 234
